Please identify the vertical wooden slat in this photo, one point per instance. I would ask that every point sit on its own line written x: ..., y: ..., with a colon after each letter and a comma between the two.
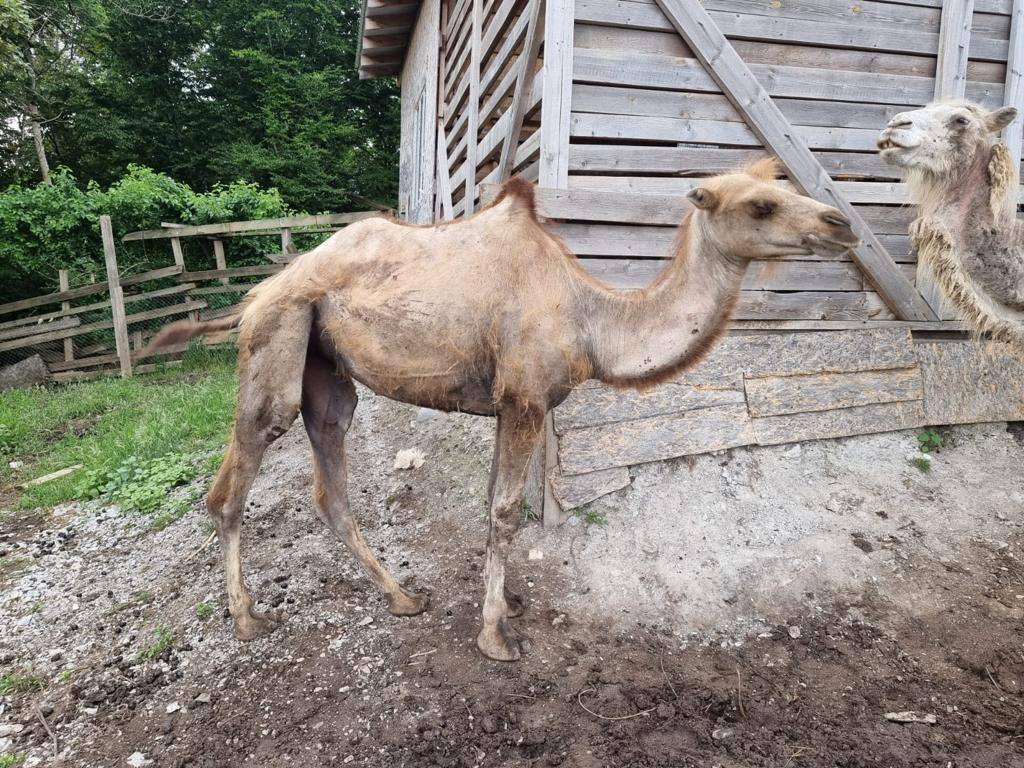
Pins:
x: 65, y: 284
x: 218, y: 256
x: 950, y: 83
x: 1013, y: 96
x: 472, y: 127
x: 556, y: 106
x: 954, y: 43
x: 286, y: 240
x: 179, y: 256
x: 740, y: 86
x: 522, y: 89
x: 444, y: 181
x: 116, y: 297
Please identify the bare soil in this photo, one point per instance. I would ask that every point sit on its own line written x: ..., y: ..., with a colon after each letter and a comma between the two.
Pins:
x: 807, y: 683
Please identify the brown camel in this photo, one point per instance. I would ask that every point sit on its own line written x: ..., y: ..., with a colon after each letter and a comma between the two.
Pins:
x: 490, y: 315
x: 965, y: 184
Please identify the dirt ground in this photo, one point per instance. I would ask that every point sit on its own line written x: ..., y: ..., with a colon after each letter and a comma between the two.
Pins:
x: 761, y: 607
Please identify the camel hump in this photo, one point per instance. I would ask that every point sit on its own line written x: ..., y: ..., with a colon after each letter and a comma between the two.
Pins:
x: 520, y: 192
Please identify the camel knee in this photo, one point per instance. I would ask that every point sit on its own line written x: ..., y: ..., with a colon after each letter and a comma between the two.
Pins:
x: 281, y: 418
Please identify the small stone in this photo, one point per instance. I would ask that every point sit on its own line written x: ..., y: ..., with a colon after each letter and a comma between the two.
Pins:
x: 721, y: 734
x: 409, y: 458
x: 173, y: 707
x: 349, y: 759
x: 488, y: 724
x: 6, y: 745
x: 203, y: 698
x: 11, y: 729
x: 56, y: 654
x: 90, y: 710
x: 794, y: 632
x: 138, y: 760
x: 911, y: 717
x: 535, y: 554
x: 16, y: 464
x: 558, y: 620
x: 364, y: 621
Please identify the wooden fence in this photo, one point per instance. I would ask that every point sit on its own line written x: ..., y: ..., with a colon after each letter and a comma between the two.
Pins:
x: 102, y: 327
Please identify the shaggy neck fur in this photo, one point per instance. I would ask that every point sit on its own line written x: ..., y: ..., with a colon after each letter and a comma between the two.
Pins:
x: 968, y: 235
x: 641, y: 338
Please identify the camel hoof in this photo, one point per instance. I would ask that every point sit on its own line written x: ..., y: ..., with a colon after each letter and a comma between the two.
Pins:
x: 253, y: 625
x: 516, y: 605
x: 405, y: 603
x: 499, y: 643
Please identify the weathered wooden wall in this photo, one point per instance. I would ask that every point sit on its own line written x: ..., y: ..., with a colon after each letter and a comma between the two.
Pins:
x: 649, y: 118
x: 775, y: 388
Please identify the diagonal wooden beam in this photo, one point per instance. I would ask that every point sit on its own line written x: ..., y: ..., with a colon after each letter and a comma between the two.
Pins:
x: 738, y: 84
x: 524, y: 83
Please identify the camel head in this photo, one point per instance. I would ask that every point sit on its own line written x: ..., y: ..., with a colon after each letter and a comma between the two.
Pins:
x: 941, y: 139
x: 749, y: 216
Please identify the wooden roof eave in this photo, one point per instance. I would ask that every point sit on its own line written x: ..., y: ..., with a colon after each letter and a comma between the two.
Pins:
x: 385, y: 27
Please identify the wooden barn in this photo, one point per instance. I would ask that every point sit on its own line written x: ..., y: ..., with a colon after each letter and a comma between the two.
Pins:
x: 616, y: 108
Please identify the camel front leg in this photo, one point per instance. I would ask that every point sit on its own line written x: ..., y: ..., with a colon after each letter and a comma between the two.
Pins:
x: 518, y: 434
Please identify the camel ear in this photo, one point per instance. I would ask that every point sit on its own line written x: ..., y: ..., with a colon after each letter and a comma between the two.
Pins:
x: 998, y: 119
x: 702, y: 198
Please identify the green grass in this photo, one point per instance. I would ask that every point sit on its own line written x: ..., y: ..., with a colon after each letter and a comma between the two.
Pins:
x: 157, y: 422
x: 204, y: 611
x: 164, y: 640
x: 922, y: 464
x: 10, y: 761
x: 20, y: 682
x: 593, y: 516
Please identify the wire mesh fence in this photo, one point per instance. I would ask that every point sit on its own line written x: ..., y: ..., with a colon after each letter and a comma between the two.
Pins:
x: 209, y: 269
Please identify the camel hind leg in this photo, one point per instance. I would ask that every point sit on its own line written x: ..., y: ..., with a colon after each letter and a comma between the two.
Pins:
x: 269, y: 395
x: 327, y: 406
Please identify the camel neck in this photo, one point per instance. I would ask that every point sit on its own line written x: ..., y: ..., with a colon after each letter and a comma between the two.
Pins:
x: 963, y: 192
x: 642, y: 337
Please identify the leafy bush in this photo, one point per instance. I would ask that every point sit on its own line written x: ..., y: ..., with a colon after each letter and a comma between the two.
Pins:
x: 47, y: 227
x: 141, y: 486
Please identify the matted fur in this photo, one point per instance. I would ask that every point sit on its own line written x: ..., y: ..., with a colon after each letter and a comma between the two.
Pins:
x: 985, y: 315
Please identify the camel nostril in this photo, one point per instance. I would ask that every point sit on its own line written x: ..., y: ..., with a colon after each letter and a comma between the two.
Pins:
x: 897, y: 122
x: 836, y: 219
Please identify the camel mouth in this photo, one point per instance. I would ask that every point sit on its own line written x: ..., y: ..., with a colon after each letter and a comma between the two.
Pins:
x: 817, y: 243
x: 891, y: 146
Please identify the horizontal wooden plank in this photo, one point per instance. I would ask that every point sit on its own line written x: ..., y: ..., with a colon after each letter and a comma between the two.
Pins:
x: 661, y: 437
x: 292, y: 222
x: 151, y: 275
x: 792, y: 354
x: 852, y: 33
x: 215, y: 289
x: 624, y: 68
x: 642, y: 242
x: 214, y: 274
x: 967, y: 382
x: 811, y: 305
x: 53, y: 298
x: 573, y: 491
x: 167, y: 311
x: 591, y: 406
x: 596, y: 36
x: 779, y: 395
x: 859, y: 192
x: 703, y: 160
x: 22, y: 331
x: 843, y: 422
x: 173, y: 290
x: 632, y: 128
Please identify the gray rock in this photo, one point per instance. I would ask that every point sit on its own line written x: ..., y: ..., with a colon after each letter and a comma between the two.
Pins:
x: 26, y: 373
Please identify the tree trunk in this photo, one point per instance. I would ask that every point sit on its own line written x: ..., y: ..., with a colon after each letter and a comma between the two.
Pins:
x: 37, y: 138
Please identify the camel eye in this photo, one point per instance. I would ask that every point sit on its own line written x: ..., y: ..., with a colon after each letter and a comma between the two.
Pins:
x: 762, y: 209
x: 961, y: 121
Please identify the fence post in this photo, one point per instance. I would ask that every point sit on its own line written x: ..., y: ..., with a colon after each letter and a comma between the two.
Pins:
x: 65, y: 284
x: 116, y: 298
x: 218, y: 255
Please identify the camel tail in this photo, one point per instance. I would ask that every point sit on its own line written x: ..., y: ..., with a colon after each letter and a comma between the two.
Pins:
x: 183, y: 330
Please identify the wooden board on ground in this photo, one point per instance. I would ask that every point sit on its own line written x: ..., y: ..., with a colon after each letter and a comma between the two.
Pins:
x: 842, y: 422
x: 968, y: 382
x: 654, y: 439
x: 782, y: 395
x: 573, y: 491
